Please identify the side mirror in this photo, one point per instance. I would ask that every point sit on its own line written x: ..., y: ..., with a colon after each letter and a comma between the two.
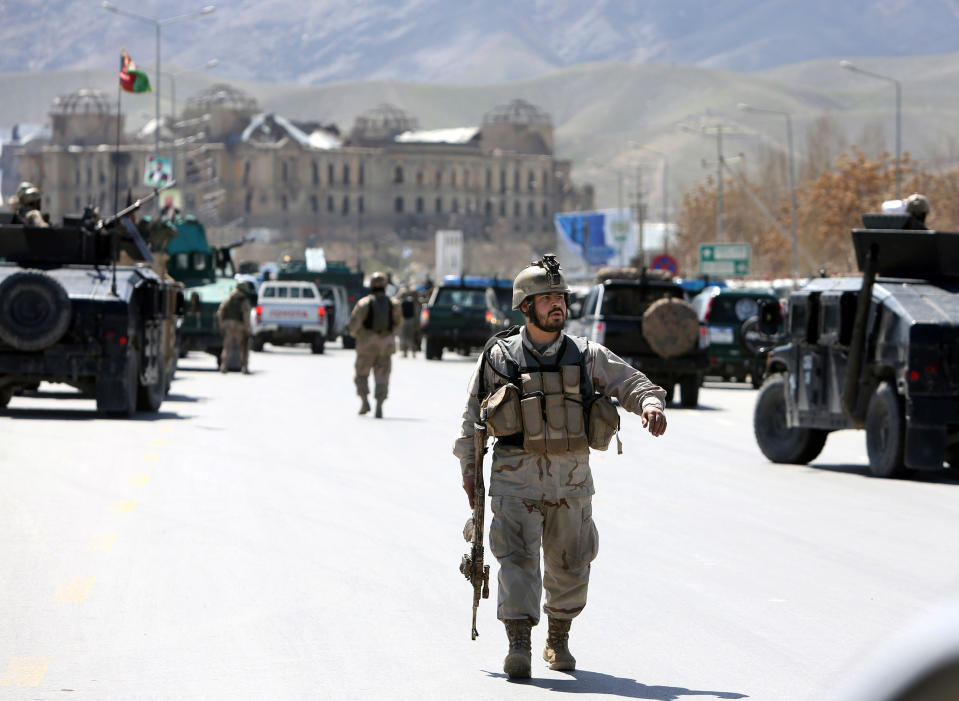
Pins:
x: 770, y: 318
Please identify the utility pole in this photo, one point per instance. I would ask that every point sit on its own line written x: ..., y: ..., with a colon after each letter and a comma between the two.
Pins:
x: 640, y: 216
x: 719, y: 183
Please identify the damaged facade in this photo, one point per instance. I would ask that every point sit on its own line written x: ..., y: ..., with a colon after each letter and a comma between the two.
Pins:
x: 237, y: 165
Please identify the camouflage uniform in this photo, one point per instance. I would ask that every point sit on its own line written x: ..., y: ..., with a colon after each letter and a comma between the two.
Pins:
x: 373, y: 323
x: 409, y: 327
x: 546, y: 500
x: 233, y: 315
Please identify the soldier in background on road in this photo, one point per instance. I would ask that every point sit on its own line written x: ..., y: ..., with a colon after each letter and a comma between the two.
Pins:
x: 546, y: 397
x: 917, y: 207
x: 373, y: 323
x: 409, y: 304
x: 233, y: 315
x: 26, y: 206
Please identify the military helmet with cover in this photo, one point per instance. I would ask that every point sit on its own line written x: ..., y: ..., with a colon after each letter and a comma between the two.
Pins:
x: 377, y: 281
x: 917, y: 205
x: 28, y: 194
x: 542, y: 277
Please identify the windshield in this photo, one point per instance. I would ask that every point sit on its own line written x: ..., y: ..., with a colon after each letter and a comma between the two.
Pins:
x: 633, y: 301
x: 461, y: 298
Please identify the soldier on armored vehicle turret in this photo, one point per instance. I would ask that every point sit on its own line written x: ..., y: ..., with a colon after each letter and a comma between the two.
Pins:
x: 26, y: 206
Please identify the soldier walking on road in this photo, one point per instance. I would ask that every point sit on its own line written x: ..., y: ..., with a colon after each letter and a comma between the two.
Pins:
x: 373, y: 323
x: 545, y: 396
x: 233, y: 315
x: 410, y: 309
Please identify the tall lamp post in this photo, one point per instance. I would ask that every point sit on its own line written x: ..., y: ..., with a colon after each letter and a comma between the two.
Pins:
x: 709, y: 130
x: 856, y: 69
x: 792, y: 180
x: 158, y: 24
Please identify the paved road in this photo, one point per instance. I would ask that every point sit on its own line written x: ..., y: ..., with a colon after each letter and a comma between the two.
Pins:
x: 258, y: 540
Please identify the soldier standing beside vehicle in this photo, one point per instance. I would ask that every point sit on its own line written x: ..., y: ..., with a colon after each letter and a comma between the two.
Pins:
x: 233, y: 316
x: 545, y: 396
x: 410, y: 309
x: 373, y: 323
x: 26, y: 205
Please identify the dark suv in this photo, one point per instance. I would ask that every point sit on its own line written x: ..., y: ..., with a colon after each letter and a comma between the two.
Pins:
x: 878, y: 352
x: 644, y: 318
x: 462, y: 315
x: 727, y: 315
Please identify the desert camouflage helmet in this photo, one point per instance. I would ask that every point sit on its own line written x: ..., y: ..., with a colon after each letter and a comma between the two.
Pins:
x: 28, y: 194
x: 917, y: 205
x: 542, y: 277
x: 377, y: 281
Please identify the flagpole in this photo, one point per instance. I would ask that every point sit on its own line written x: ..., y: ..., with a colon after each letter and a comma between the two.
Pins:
x: 116, y: 154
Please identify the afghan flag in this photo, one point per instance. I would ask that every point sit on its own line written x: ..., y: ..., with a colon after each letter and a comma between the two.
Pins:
x: 131, y: 79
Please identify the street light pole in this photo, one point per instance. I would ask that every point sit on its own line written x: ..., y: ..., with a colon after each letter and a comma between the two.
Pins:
x: 212, y: 63
x: 665, y: 186
x: 793, y: 207
x: 849, y: 66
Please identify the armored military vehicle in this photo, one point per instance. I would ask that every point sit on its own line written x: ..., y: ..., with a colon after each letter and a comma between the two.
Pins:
x: 70, y: 313
x: 878, y: 352
x: 642, y: 316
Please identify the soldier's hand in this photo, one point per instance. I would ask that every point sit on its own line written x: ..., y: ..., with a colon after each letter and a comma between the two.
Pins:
x: 655, y: 420
x: 469, y: 486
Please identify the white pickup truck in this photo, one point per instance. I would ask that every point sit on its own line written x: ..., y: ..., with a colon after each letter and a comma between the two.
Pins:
x: 289, y: 311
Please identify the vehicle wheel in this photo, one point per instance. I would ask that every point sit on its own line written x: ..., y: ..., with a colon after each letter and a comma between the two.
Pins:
x: 258, y: 343
x: 348, y: 341
x: 130, y: 384
x: 670, y: 388
x: 885, y: 432
x: 756, y: 378
x: 6, y: 393
x: 776, y: 440
x: 434, y: 351
x: 689, y: 391
x: 150, y: 397
x: 35, y: 310
x: 318, y: 344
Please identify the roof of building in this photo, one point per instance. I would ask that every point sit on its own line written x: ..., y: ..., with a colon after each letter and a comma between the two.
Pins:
x: 452, y: 135
x: 517, y: 112
x: 221, y: 95
x: 83, y: 101
x: 271, y: 128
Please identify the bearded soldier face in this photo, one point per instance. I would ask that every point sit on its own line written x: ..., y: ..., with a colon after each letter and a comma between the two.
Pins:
x: 547, y: 311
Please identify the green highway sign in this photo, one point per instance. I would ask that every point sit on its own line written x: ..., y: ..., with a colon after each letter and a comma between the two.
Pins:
x: 730, y: 259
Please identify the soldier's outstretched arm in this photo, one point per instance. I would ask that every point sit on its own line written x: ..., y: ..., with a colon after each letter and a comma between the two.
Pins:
x: 636, y: 393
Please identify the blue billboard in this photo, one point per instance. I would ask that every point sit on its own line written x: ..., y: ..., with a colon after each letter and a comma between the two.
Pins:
x: 588, y: 234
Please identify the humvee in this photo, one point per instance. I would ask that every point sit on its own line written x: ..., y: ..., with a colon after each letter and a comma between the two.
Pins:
x: 878, y: 352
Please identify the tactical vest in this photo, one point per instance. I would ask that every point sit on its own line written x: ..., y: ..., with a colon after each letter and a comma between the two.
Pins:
x: 552, y: 396
x: 233, y: 310
x: 409, y: 308
x: 375, y: 324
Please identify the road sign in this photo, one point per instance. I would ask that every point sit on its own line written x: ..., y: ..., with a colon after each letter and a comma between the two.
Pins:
x: 620, y: 229
x: 665, y: 261
x: 731, y: 259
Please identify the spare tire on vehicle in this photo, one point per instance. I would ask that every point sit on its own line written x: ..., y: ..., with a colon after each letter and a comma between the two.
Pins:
x: 671, y: 327
x: 35, y: 310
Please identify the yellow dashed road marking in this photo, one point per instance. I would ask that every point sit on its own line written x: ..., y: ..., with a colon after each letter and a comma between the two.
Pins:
x: 158, y: 442
x: 102, y: 541
x: 138, y: 480
x: 152, y: 457
x: 75, y: 590
x: 25, y: 671
x: 123, y: 507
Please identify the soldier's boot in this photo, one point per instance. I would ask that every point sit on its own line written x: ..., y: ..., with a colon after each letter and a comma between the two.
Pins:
x: 518, y: 662
x: 364, y: 407
x: 379, y: 409
x: 557, y: 646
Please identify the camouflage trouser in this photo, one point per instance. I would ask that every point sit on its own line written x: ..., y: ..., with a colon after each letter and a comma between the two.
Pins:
x: 235, y: 338
x: 373, y: 353
x: 568, y: 537
x: 408, y: 331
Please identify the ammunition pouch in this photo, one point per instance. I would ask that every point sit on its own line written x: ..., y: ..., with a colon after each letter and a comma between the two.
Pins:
x: 502, y: 411
x: 603, y: 421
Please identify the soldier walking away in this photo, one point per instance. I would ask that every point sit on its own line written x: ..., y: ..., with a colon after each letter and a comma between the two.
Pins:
x: 233, y: 315
x: 373, y: 323
x: 545, y: 396
x: 410, y: 309
x: 26, y: 206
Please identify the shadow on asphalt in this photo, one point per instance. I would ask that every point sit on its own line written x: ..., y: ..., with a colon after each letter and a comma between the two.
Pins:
x: 583, y: 682
x: 81, y: 415
x: 926, y: 476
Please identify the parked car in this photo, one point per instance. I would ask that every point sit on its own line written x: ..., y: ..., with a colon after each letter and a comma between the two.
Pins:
x: 727, y: 314
x: 462, y: 313
x: 643, y: 317
x: 290, y: 311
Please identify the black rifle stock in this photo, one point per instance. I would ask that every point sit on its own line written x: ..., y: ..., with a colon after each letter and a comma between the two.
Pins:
x: 472, y: 565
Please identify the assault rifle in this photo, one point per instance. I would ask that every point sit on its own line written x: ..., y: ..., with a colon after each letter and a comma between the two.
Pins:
x: 472, y: 565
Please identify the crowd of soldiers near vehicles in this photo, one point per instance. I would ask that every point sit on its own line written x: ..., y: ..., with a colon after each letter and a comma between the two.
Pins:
x: 387, y: 321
